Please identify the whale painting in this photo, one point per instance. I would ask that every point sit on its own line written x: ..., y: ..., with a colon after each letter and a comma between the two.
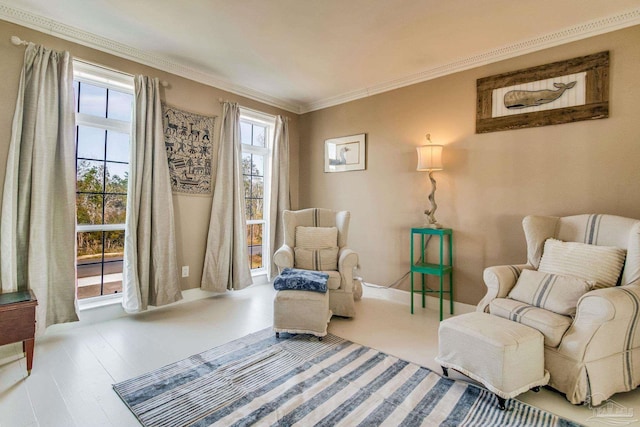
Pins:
x: 549, y: 94
x: 530, y: 98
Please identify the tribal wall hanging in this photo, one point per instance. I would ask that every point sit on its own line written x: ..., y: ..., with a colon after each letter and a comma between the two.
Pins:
x: 188, y: 138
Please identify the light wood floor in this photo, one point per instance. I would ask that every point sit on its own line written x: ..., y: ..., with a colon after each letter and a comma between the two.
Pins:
x: 75, y: 365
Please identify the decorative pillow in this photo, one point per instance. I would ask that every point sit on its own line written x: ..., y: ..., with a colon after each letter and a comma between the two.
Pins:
x: 316, y: 259
x: 601, y: 264
x: 316, y: 237
x: 316, y: 248
x: 552, y: 292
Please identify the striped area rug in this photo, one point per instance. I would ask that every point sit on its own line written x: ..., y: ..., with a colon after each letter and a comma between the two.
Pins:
x: 298, y: 380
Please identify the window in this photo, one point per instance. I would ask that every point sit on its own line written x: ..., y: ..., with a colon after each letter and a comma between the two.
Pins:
x: 256, y: 133
x: 104, y: 102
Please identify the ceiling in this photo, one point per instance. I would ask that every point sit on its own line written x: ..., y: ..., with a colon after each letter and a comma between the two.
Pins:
x: 302, y: 55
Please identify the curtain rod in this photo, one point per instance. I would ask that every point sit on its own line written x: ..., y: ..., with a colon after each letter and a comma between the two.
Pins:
x: 17, y: 41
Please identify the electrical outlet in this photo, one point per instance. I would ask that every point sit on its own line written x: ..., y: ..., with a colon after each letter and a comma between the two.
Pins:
x: 185, y: 271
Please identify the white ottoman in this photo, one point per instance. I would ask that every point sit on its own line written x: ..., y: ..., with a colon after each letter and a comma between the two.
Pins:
x: 505, y: 356
x: 301, y: 312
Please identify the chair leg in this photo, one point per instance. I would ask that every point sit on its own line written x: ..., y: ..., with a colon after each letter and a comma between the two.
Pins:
x: 445, y: 371
x: 277, y: 334
x: 501, y: 403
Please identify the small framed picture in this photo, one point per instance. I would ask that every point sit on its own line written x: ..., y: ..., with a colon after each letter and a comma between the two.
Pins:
x: 346, y: 153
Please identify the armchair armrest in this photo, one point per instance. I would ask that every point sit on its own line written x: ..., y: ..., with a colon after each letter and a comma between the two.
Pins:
x: 499, y: 281
x: 283, y: 257
x: 347, y: 261
x: 604, y: 324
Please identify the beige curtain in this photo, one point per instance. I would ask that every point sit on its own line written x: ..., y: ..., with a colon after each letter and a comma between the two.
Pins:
x: 280, y: 195
x: 226, y: 261
x: 150, y: 274
x: 37, y: 234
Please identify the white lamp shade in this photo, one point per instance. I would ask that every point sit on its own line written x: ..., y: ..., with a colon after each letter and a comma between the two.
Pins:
x: 429, y: 157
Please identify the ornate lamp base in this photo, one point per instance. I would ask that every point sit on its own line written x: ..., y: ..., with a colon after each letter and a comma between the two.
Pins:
x: 431, y: 213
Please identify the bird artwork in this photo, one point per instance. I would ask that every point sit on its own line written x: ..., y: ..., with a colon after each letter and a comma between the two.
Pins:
x: 341, y: 160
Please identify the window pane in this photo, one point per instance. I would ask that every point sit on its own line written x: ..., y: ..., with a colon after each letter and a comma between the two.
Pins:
x: 256, y: 234
x: 257, y: 187
x: 112, y: 277
x: 115, y: 209
x: 258, y: 165
x: 117, y: 177
x: 93, y: 100
x: 250, y: 206
x: 248, y: 210
x: 120, y: 105
x: 247, y: 185
x: 117, y: 146
x: 245, y: 133
x: 89, y: 252
x: 256, y: 210
x: 246, y: 163
x: 113, y: 245
x: 259, y: 133
x: 255, y: 245
x: 90, y: 143
x: 90, y: 176
x: 89, y: 260
x: 89, y: 208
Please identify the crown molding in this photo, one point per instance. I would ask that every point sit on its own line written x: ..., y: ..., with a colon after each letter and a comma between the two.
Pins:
x: 567, y: 35
x: 75, y: 35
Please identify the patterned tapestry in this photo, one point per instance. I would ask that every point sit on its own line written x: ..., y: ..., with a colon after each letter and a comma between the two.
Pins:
x: 188, y: 138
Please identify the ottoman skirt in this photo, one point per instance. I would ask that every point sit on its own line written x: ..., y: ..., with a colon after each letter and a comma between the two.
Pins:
x: 301, y: 312
x: 503, y: 355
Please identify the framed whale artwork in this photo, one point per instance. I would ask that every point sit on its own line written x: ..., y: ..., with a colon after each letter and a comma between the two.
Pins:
x: 347, y: 153
x: 560, y: 92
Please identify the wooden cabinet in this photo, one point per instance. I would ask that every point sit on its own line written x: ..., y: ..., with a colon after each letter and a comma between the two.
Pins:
x: 18, y: 321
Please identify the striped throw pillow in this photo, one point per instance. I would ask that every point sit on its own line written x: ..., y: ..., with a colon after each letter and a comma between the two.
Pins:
x: 316, y: 248
x: 602, y: 264
x: 552, y: 292
x: 316, y: 259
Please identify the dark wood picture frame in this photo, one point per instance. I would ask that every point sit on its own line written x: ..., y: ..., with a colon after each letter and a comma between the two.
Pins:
x: 596, y: 106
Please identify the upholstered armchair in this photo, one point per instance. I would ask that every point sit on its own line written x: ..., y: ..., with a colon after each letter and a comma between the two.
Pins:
x: 593, y: 352
x: 316, y: 239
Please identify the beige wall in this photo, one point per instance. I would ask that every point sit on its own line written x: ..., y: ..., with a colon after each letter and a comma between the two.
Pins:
x: 491, y: 181
x: 192, y: 212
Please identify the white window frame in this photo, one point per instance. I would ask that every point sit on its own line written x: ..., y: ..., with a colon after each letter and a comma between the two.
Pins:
x: 97, y: 75
x: 268, y: 121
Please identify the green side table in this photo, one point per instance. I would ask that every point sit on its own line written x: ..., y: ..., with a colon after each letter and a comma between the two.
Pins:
x: 440, y: 269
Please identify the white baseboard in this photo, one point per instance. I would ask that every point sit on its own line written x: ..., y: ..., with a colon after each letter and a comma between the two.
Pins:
x: 110, y: 309
x: 403, y: 297
x: 113, y: 309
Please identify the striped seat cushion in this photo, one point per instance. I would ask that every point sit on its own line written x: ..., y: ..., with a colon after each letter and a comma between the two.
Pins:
x: 552, y: 325
x: 557, y: 293
x: 602, y: 264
